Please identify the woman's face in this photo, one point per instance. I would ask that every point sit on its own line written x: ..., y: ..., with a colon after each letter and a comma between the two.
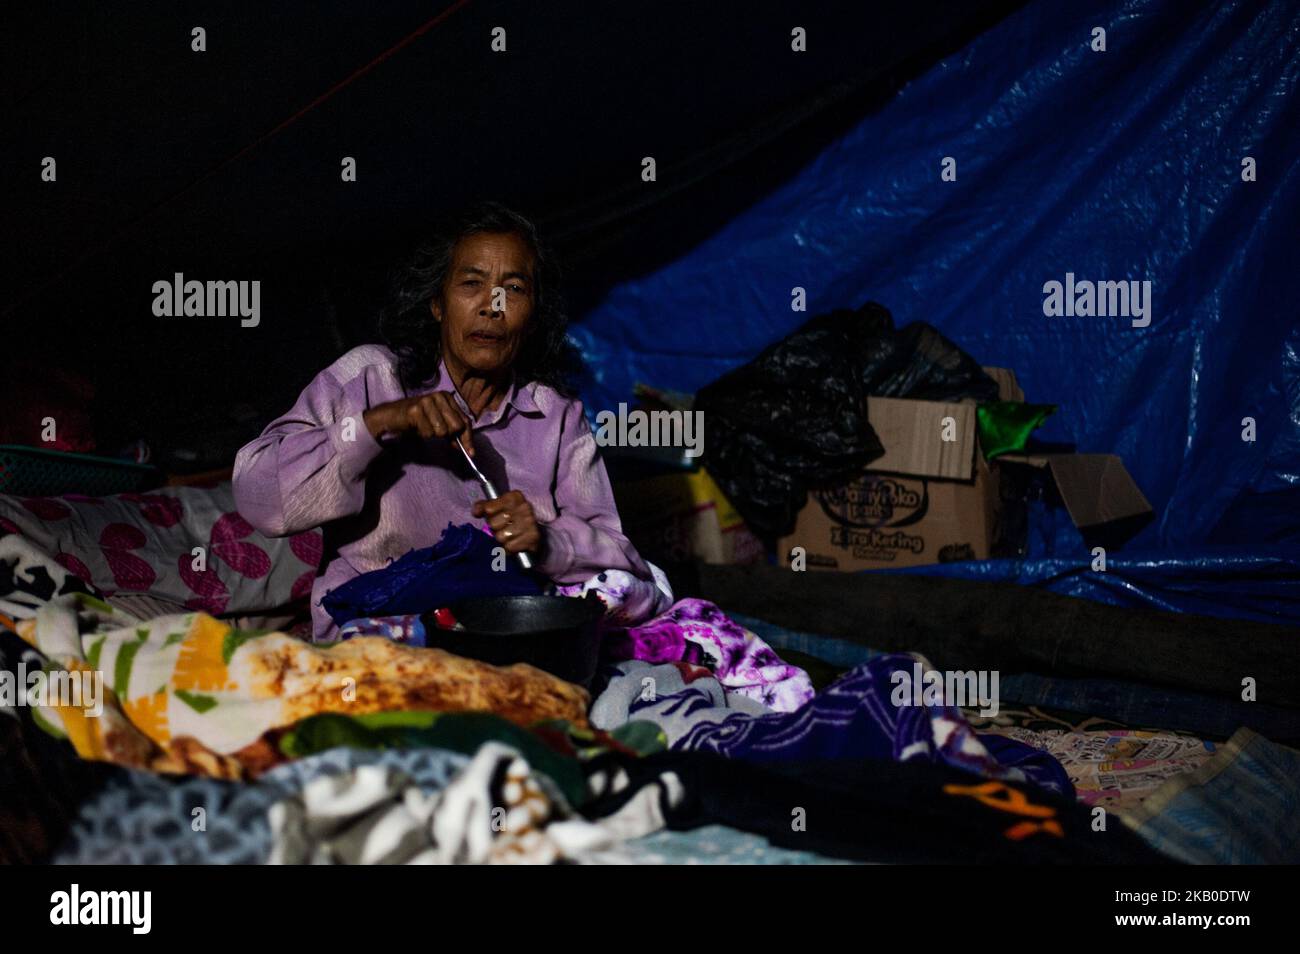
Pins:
x: 487, y: 304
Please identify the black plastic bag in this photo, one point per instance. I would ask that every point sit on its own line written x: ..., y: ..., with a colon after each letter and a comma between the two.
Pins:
x: 796, y: 415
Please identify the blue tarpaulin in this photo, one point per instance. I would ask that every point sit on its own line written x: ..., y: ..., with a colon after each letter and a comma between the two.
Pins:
x: 1171, y: 157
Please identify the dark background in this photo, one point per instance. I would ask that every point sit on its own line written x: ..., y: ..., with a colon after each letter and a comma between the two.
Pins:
x: 226, y: 165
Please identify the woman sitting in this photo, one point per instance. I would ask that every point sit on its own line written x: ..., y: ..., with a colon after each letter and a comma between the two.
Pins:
x: 476, y: 350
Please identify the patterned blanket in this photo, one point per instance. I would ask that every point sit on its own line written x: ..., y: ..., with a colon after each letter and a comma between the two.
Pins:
x: 857, y: 717
x: 172, y: 549
x: 191, y: 693
x: 1242, y: 806
x: 1110, y: 764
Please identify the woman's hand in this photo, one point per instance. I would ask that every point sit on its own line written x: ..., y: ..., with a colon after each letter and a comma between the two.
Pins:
x: 512, y: 521
x: 430, y: 415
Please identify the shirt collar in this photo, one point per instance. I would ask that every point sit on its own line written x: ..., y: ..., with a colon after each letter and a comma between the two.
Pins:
x: 521, y: 397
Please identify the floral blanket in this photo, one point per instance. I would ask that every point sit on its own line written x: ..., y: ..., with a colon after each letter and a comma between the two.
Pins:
x: 1111, y: 765
x: 190, y: 693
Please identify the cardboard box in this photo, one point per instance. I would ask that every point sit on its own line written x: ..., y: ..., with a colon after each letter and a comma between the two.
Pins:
x: 684, y: 516
x: 1103, y: 502
x: 933, y: 498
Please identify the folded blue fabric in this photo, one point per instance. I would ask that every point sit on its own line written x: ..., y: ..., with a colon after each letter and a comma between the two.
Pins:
x: 859, y: 716
x: 458, y: 567
x: 1242, y: 807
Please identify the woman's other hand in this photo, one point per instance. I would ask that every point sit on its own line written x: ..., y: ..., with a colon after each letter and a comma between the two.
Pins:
x: 512, y: 521
x: 429, y: 415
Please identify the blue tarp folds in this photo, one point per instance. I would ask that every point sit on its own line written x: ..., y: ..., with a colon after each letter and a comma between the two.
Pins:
x: 1119, y: 165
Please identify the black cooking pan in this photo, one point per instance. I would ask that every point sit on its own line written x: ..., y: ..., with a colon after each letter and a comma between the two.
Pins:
x: 555, y: 633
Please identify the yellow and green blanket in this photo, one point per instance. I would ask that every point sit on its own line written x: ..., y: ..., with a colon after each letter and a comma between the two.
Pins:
x: 188, y: 692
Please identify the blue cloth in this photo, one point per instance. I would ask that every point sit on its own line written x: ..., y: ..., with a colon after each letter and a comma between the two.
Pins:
x: 143, y: 818
x: 1241, y: 807
x: 407, y: 630
x: 844, y: 653
x: 457, y: 567
x: 856, y: 717
x: 862, y: 715
x: 1142, y: 706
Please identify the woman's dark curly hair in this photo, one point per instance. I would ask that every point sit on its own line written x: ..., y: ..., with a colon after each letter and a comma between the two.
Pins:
x: 410, y: 330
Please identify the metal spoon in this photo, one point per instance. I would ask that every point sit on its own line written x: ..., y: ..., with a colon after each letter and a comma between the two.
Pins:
x: 491, y: 493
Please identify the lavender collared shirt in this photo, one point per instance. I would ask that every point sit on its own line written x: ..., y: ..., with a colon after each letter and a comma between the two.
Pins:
x: 319, y: 466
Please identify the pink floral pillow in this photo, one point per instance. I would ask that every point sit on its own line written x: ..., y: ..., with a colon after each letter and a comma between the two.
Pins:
x: 187, y: 546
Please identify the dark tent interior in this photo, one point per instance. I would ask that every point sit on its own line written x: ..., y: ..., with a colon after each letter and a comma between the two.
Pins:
x: 214, y: 164
x: 979, y: 305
